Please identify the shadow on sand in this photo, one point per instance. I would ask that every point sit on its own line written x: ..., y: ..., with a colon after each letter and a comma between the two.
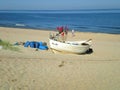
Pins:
x: 90, y: 51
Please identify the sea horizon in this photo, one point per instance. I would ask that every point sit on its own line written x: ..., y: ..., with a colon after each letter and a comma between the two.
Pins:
x: 65, y: 11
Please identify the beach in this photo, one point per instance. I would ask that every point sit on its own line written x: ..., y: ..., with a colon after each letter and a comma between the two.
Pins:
x: 29, y: 69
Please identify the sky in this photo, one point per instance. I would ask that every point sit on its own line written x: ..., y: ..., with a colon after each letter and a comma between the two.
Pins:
x: 58, y: 4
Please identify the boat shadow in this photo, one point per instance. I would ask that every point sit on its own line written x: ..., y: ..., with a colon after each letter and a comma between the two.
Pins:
x: 90, y: 51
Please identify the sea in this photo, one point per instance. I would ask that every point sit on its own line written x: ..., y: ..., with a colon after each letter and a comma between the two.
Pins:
x: 96, y: 21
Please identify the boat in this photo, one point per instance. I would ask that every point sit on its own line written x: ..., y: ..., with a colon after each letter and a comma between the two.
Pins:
x: 76, y: 47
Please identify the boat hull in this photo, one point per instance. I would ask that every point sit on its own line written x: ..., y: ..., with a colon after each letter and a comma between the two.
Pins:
x: 75, y: 47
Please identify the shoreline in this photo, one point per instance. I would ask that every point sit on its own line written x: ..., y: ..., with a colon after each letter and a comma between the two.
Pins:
x: 56, y: 30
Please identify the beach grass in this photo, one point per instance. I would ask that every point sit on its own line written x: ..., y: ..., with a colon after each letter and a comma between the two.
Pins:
x: 8, y: 46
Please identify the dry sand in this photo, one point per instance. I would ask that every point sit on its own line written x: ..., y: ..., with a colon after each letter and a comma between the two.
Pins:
x: 44, y: 70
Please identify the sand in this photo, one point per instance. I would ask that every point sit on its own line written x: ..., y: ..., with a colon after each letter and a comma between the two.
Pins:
x: 29, y: 69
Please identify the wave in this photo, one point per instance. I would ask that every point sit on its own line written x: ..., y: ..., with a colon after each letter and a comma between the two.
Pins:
x: 109, y: 27
x: 22, y: 25
x: 100, y: 27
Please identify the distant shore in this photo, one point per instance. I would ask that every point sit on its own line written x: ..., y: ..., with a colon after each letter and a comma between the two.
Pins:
x: 34, y: 70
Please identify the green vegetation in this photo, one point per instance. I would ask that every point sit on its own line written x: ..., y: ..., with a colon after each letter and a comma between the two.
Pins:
x: 7, y: 45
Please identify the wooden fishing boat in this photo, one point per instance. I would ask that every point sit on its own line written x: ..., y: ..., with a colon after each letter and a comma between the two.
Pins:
x: 76, y: 47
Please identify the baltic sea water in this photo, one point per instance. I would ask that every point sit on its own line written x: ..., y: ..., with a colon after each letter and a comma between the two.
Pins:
x: 97, y: 21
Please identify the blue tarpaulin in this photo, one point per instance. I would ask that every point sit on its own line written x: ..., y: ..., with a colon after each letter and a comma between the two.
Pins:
x: 34, y: 44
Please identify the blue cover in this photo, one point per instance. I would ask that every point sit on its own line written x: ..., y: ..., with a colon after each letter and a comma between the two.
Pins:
x: 43, y: 47
x: 41, y: 43
x: 37, y: 44
x: 34, y: 44
x: 27, y: 44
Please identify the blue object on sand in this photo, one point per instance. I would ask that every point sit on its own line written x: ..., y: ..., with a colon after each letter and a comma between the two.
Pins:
x: 27, y: 44
x: 41, y: 43
x: 42, y: 46
x: 37, y: 44
x: 32, y: 44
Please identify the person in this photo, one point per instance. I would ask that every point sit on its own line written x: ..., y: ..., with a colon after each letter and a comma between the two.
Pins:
x: 62, y: 36
x: 62, y: 31
x: 73, y: 32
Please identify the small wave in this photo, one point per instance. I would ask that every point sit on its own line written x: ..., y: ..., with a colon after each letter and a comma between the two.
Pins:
x: 110, y: 27
x: 22, y: 25
x: 83, y: 27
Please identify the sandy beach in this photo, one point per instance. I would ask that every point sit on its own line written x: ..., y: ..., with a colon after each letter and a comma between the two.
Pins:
x: 44, y: 70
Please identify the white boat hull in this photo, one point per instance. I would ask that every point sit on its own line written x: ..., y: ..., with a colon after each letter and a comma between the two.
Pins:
x: 70, y: 46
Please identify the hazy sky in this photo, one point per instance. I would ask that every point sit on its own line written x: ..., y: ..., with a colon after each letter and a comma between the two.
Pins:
x: 58, y: 4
